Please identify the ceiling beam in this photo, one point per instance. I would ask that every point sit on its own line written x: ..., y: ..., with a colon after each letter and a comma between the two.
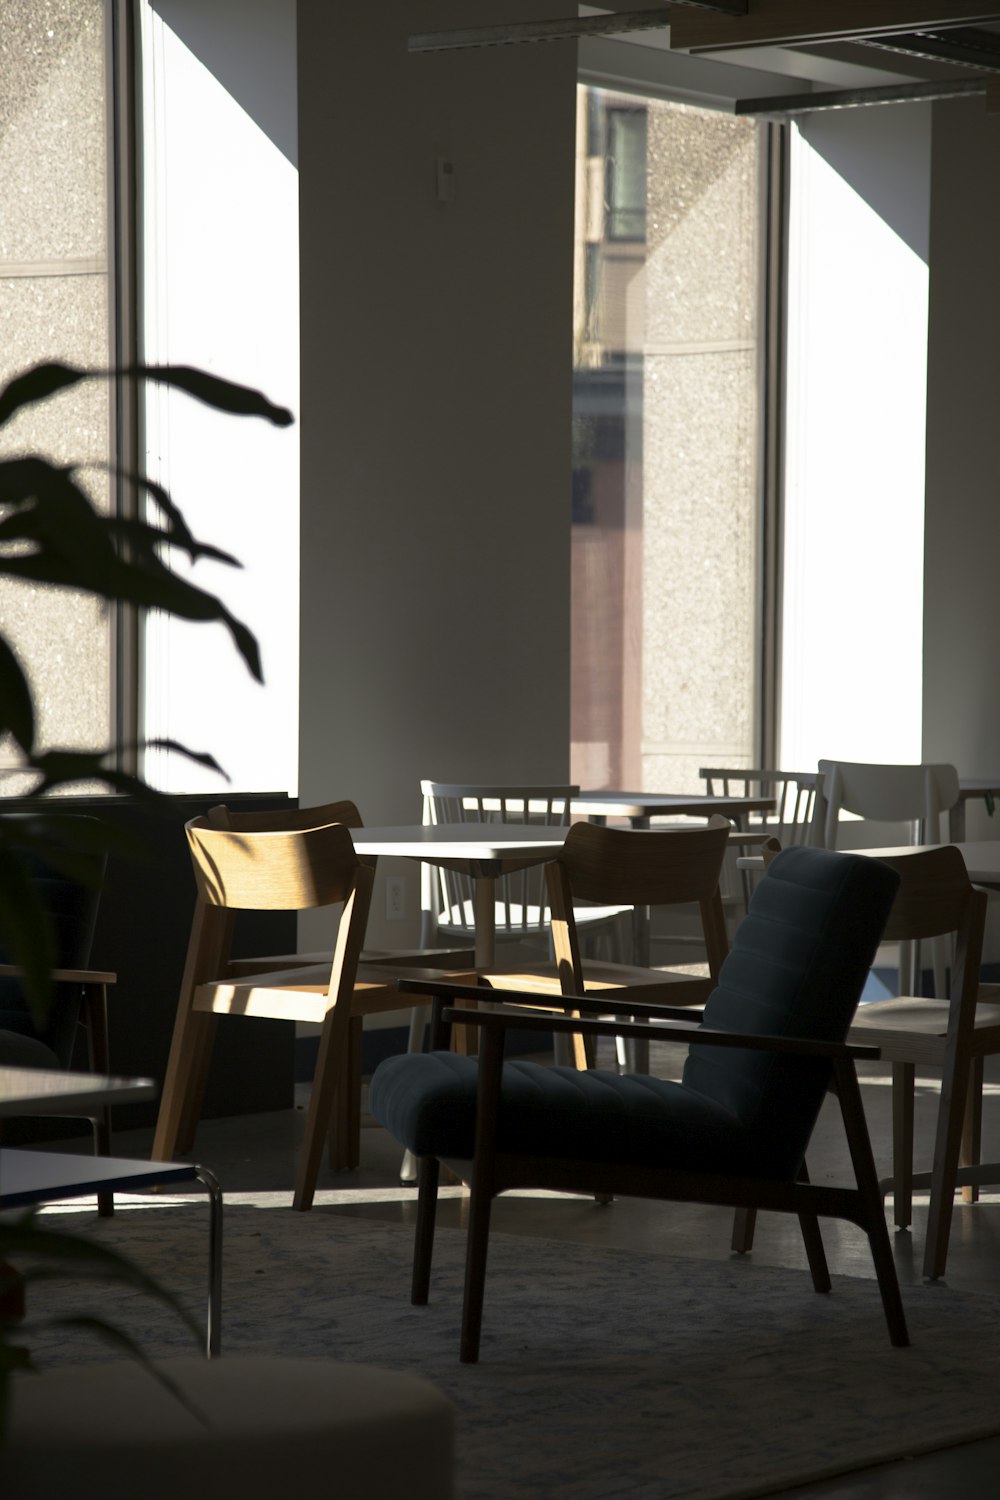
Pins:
x: 898, y: 93
x: 800, y: 22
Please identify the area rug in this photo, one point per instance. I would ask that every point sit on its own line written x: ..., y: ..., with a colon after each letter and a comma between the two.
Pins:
x: 603, y: 1374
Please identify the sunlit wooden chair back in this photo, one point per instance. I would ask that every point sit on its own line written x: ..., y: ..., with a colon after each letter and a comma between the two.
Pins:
x: 280, y: 870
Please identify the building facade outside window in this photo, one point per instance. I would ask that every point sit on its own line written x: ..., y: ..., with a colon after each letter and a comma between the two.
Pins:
x: 666, y: 639
x: 56, y: 302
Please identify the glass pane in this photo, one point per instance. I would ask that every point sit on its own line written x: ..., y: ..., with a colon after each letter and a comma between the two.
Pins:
x: 54, y: 305
x: 855, y: 438
x: 665, y: 442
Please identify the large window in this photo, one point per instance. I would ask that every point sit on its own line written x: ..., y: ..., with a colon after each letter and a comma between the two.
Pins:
x: 852, y: 607
x: 220, y: 290
x: 666, y: 456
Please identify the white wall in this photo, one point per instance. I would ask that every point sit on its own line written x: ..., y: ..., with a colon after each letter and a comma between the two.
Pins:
x: 962, y: 553
x: 436, y: 386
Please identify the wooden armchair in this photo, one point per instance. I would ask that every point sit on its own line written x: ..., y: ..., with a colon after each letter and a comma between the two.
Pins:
x: 288, y: 868
x: 733, y: 1131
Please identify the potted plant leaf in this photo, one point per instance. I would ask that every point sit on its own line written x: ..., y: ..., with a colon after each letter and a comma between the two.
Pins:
x: 52, y: 533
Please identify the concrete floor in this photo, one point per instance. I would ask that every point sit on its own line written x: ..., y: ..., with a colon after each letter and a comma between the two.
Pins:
x: 254, y: 1153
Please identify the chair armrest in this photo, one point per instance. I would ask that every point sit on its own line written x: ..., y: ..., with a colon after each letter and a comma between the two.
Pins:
x: 602, y: 1004
x: 797, y: 1046
x: 413, y: 958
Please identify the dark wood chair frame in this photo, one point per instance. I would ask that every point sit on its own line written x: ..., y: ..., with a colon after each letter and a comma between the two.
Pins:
x: 494, y: 1172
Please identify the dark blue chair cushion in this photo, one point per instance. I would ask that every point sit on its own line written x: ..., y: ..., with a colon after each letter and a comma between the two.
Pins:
x: 798, y: 965
x: 428, y: 1103
x: 797, y: 968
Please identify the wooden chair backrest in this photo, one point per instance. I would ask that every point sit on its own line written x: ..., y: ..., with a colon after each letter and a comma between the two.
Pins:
x: 637, y: 867
x: 521, y: 894
x: 289, y: 819
x: 935, y: 897
x: 796, y: 818
x: 277, y: 870
x: 644, y: 867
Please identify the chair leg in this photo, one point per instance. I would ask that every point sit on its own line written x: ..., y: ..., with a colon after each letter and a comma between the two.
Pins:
x: 95, y: 1009
x: 483, y: 1188
x: 332, y: 1067
x: 345, y: 1117
x: 744, y: 1223
x: 944, y: 1171
x: 636, y: 1055
x: 872, y: 1218
x: 429, y: 1172
x: 972, y: 1137
x: 903, y: 1081
x: 184, y: 1084
x: 480, y: 1206
x: 906, y: 966
x: 813, y: 1241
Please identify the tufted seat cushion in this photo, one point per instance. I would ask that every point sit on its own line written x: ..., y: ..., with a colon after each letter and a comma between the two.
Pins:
x: 428, y: 1103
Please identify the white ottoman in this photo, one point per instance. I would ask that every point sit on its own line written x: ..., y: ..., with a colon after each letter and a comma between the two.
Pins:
x: 111, y: 1432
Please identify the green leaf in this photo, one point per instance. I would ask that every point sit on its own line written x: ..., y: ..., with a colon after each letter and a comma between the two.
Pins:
x: 72, y: 546
x: 17, y: 712
x: 200, y: 757
x: 37, y: 384
x: 241, y: 400
x: 73, y: 1254
x: 63, y: 767
x: 45, y: 380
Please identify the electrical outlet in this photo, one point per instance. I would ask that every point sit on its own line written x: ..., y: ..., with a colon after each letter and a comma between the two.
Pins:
x: 395, y: 898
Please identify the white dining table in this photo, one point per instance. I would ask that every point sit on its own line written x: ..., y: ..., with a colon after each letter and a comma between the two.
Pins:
x: 641, y: 807
x: 484, y: 851
x: 970, y: 789
x: 31, y: 1177
x: 982, y: 858
x: 53, y: 1092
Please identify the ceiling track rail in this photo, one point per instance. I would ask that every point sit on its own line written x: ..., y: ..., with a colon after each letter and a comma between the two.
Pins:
x: 965, y: 47
x: 905, y: 93
x: 514, y: 32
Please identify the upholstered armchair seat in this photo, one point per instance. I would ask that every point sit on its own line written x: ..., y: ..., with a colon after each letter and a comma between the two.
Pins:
x: 628, y: 1120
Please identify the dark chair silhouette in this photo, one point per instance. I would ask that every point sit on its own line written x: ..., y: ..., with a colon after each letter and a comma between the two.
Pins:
x: 734, y: 1131
x: 79, y: 993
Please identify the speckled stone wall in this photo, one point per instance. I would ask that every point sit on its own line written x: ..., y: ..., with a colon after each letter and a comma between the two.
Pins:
x: 54, y: 304
x: 700, y: 452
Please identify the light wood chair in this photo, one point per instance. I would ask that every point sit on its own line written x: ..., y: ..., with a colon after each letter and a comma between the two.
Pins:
x: 913, y: 795
x: 288, y: 869
x: 796, y: 819
x: 289, y: 819
x: 953, y: 1035
x: 522, y: 914
x: 935, y: 897
x: 640, y: 867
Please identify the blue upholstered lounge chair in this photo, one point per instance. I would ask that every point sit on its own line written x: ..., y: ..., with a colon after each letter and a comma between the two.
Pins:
x: 734, y: 1131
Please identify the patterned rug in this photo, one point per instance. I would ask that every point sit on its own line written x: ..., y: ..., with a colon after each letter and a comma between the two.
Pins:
x: 603, y: 1374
